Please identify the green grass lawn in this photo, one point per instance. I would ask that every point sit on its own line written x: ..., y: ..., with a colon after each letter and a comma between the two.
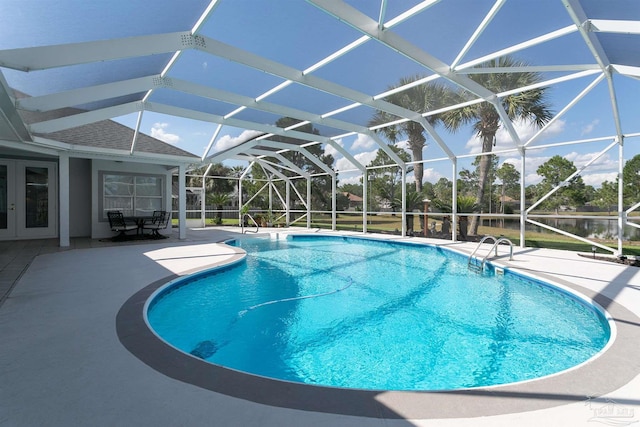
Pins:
x: 388, y: 224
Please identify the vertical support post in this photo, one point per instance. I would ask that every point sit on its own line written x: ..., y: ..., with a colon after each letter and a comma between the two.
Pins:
x: 334, y: 215
x: 454, y: 200
x: 309, y: 202
x: 288, y: 197
x: 270, y: 195
x: 240, y: 201
x: 182, y: 201
x: 203, y: 203
x: 365, y: 199
x: 523, y: 195
x: 404, y: 201
x: 622, y: 215
x: 63, y: 199
x: 425, y: 228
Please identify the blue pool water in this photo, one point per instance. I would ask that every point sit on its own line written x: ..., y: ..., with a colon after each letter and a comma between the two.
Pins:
x: 358, y: 313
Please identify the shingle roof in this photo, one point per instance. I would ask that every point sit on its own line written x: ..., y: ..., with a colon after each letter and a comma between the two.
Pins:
x: 102, y: 134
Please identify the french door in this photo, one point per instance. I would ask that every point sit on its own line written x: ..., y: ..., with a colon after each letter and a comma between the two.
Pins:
x: 28, y: 203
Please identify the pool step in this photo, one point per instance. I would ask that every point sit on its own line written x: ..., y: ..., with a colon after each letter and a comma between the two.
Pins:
x: 475, y: 265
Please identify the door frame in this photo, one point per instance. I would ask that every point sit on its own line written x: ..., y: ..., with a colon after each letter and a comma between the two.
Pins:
x: 16, y: 190
x: 10, y: 231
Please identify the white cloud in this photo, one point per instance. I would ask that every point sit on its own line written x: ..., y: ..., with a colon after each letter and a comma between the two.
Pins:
x: 532, y: 164
x: 363, y: 142
x: 205, y: 65
x: 603, y: 163
x: 404, y: 145
x: 228, y: 141
x: 350, y: 178
x: 590, y: 127
x: 597, y: 179
x: 158, y: 132
x: 364, y: 159
x: 330, y: 149
x: 525, y: 131
x: 431, y: 175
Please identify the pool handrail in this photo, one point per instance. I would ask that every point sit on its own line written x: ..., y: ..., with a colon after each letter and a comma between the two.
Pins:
x: 252, y: 220
x: 496, y: 243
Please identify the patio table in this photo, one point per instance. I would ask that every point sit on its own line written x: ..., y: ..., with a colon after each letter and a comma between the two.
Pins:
x: 139, y: 220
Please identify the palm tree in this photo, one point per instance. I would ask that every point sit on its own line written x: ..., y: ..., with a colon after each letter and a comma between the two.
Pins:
x: 530, y: 106
x: 465, y: 204
x: 219, y: 200
x: 420, y: 99
x: 413, y: 202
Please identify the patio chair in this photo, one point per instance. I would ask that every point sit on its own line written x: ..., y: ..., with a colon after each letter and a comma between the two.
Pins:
x: 159, y: 221
x: 119, y: 225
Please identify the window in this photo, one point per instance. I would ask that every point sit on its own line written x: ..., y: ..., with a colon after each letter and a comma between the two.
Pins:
x: 134, y: 195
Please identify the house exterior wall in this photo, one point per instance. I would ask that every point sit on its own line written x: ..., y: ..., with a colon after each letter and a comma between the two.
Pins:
x: 100, y: 228
x: 79, y: 197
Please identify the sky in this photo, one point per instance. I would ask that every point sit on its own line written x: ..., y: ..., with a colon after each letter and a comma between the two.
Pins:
x: 298, y: 35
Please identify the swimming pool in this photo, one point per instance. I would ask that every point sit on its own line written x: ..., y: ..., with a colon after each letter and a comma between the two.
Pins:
x: 356, y: 313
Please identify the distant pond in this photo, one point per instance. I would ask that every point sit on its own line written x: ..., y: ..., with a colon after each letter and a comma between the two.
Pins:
x: 588, y: 228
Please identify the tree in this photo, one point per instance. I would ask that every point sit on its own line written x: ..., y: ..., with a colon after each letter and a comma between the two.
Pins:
x: 631, y: 180
x: 510, y: 178
x: 443, y: 190
x: 219, y: 200
x: 420, y: 99
x: 529, y: 106
x: 468, y: 181
x: 554, y: 171
x: 465, y: 204
x: 385, y: 181
x: 607, y: 195
x: 212, y: 185
x: 414, y: 201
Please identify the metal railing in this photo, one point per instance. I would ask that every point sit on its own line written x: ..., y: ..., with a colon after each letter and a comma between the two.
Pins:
x: 252, y: 220
x: 479, y: 267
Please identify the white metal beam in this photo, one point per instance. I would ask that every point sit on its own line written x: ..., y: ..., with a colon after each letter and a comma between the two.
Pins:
x: 288, y: 164
x: 136, y: 131
x: 80, y: 119
x: 581, y: 22
x: 248, y: 102
x: 520, y: 46
x: 87, y: 94
x: 479, y: 30
x: 232, y: 53
x: 46, y: 57
x: 368, y: 26
x: 626, y: 70
x: 530, y: 69
x: 303, y: 151
x: 565, y: 233
x: 8, y: 113
x: 211, y: 142
x: 619, y: 26
x: 570, y: 177
x: 566, y: 108
x: 242, y: 124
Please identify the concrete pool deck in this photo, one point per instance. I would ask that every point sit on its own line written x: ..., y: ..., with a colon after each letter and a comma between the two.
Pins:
x: 63, y: 364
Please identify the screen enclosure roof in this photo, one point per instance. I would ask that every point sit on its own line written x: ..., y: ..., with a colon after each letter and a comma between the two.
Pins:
x: 213, y: 78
